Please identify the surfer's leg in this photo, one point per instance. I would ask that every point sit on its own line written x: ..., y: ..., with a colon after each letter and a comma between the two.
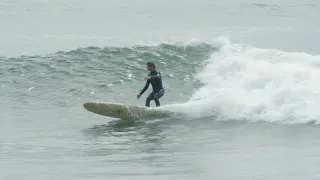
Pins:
x: 148, y: 102
x: 158, y: 96
x: 156, y: 100
x: 149, y: 98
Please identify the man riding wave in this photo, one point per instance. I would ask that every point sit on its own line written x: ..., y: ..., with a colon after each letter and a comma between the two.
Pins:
x: 156, y: 81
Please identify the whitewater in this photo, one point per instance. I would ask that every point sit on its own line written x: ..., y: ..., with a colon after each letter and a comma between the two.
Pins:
x: 242, y: 82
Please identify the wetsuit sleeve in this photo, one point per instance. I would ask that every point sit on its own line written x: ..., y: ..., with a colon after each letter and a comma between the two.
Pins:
x: 145, y: 87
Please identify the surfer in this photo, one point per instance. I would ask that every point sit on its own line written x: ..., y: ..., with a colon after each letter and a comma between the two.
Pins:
x: 156, y: 81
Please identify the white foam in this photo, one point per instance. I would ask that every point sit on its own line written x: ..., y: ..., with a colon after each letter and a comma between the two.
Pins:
x: 243, y: 82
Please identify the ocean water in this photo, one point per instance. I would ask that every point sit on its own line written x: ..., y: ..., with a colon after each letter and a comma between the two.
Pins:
x: 244, y: 76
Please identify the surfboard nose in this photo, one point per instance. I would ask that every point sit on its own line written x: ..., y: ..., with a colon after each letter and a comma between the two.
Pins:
x: 86, y: 106
x: 90, y: 106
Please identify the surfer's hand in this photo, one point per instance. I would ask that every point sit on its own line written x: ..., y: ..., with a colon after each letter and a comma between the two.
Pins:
x: 138, y: 96
x: 146, y: 78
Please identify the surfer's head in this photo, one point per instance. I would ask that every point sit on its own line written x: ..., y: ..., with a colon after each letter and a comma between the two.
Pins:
x: 151, y: 66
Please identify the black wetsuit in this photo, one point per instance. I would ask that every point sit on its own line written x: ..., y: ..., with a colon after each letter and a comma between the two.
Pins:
x: 157, y: 92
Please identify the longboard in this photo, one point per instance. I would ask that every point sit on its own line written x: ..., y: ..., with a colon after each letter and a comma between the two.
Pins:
x: 123, y: 111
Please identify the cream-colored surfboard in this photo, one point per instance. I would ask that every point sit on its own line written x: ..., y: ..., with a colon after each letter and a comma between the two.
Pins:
x: 123, y: 111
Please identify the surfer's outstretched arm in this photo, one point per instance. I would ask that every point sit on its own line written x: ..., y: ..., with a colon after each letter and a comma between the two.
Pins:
x: 144, y: 89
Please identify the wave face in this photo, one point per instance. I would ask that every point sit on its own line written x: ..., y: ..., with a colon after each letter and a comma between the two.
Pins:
x: 100, y: 74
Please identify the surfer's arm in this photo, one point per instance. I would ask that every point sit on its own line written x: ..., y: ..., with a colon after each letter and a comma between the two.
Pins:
x: 149, y: 77
x: 145, y: 87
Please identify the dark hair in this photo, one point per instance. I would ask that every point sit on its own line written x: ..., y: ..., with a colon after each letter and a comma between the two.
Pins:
x: 151, y: 64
